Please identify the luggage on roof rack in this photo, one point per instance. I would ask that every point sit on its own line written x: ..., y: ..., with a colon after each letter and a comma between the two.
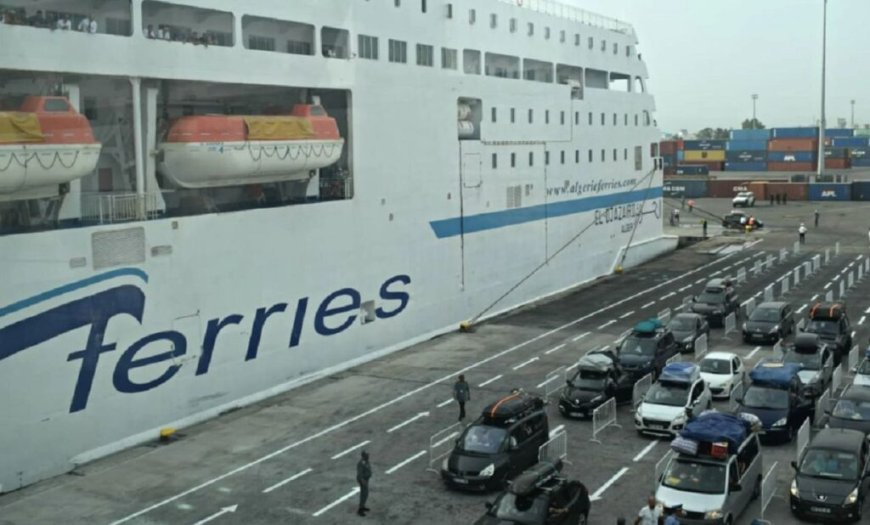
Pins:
x: 832, y: 311
x: 681, y: 372
x: 650, y: 326
x: 534, y: 478
x: 512, y: 407
x: 722, y: 433
x: 806, y: 342
x: 597, y: 362
x: 777, y: 374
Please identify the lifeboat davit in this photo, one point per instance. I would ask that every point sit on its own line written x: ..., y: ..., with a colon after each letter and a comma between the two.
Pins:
x: 210, y: 151
x: 44, y: 144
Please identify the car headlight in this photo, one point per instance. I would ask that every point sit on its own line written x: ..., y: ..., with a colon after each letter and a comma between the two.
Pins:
x: 488, y: 471
x: 639, y: 412
x: 780, y: 422
x: 744, y: 327
x: 713, y: 515
x: 680, y: 419
x: 444, y: 465
x: 794, y: 490
x: 852, y: 497
x: 774, y: 329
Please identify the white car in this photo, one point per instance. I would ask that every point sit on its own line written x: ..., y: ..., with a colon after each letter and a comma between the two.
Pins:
x: 722, y: 371
x: 744, y: 198
x: 679, y: 392
x: 862, y: 373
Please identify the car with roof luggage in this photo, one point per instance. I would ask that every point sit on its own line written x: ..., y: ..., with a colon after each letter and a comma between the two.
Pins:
x: 594, y: 382
x: 831, y: 323
x: 852, y: 409
x: 769, y: 323
x: 775, y: 396
x: 716, y: 302
x: 679, y: 393
x: 644, y: 351
x: 816, y: 361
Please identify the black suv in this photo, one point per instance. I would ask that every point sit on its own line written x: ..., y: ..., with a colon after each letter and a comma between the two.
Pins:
x: 830, y: 322
x: 540, y: 496
x: 815, y: 359
x: 645, y: 351
x: 596, y: 380
x: 716, y: 301
x: 769, y: 322
x: 499, y: 444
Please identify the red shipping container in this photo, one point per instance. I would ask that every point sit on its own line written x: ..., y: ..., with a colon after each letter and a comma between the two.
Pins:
x: 796, y: 191
x: 837, y: 164
x: 759, y: 189
x: 670, y: 171
x: 726, y: 189
x: 791, y: 166
x: 793, y: 145
x: 668, y: 147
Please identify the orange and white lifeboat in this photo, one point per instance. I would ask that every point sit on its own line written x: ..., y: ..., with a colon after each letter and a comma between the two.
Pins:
x: 210, y: 151
x: 44, y: 144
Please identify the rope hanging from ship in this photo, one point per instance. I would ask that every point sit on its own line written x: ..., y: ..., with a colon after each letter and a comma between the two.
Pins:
x: 56, y: 158
x: 306, y: 150
x: 547, y: 260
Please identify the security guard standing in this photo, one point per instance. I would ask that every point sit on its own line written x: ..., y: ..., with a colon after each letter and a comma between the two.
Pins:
x: 363, y: 474
x: 462, y: 394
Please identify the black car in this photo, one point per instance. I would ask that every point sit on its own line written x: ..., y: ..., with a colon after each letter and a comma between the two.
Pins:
x: 499, y: 444
x: 815, y: 360
x: 540, y: 496
x: 595, y: 381
x: 852, y: 410
x: 687, y: 328
x: 769, y: 322
x: 737, y: 220
x: 775, y: 396
x: 831, y: 323
x: 832, y: 477
x: 716, y: 301
x: 646, y: 350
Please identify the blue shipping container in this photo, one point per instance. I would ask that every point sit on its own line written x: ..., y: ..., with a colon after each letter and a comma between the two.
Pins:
x: 861, y: 163
x: 704, y: 145
x: 680, y: 155
x: 859, y: 153
x: 746, y: 166
x: 861, y: 191
x: 830, y: 192
x: 669, y: 161
x: 746, y: 145
x: 792, y: 156
x: 750, y: 134
x: 693, y: 189
x: 854, y: 142
x: 746, y: 156
x: 794, y: 133
x: 839, y: 133
x: 692, y: 170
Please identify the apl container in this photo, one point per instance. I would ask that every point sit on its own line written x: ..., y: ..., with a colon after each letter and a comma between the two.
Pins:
x: 854, y: 142
x: 706, y: 145
x: 704, y: 155
x: 746, y: 166
x: 793, y: 145
x: 795, y: 191
x: 750, y: 134
x: 690, y: 188
x: 794, y: 133
x: 830, y: 192
x: 746, y: 145
x: 746, y: 156
x: 861, y: 191
x: 792, y: 156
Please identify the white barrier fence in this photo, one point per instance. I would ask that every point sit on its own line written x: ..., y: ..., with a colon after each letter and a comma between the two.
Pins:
x: 783, y: 254
x: 730, y: 323
x: 860, y: 271
x: 700, y: 348
x: 673, y: 359
x: 554, y: 381
x: 808, y: 269
x: 785, y: 284
x: 829, y: 296
x: 734, y: 397
x: 777, y: 349
x: 441, y: 444
x: 837, y: 248
x: 665, y: 315
x: 797, y: 276
x: 836, y: 379
x: 796, y: 249
x: 748, y: 307
x: 817, y: 263
x: 756, y: 268
x: 660, y: 467
x: 850, y: 280
x: 827, y: 255
x: 622, y: 337
x: 555, y: 449
x: 803, y: 439
x: 821, y: 406
x: 640, y: 388
x: 741, y: 275
x: 768, y: 293
x: 842, y: 290
x: 853, y: 359
x: 602, y: 417
x: 768, y: 488
x: 771, y: 260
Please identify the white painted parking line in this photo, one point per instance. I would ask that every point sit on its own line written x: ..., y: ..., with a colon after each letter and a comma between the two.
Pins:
x: 863, y: 318
x: 525, y: 363
x: 854, y: 333
x: 714, y: 274
x: 406, y: 461
x: 218, y: 514
x: 802, y: 308
x: 445, y: 440
x: 288, y: 480
x: 727, y: 268
x: 752, y: 353
x: 408, y: 422
x: 445, y: 403
x: 579, y: 337
x: 647, y: 305
x: 646, y: 450
x: 608, y: 323
x: 684, y: 288
x: 555, y: 349
x: 699, y: 281
x: 490, y: 380
x: 667, y: 296
x: 627, y: 314
x: 557, y: 430
x: 547, y: 381
x: 337, y: 502
x: 351, y: 449
x: 597, y: 494
x: 830, y: 283
x: 867, y: 311
x: 813, y: 298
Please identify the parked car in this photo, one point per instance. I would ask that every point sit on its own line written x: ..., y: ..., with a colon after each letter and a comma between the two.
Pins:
x: 723, y: 372
x: 739, y: 219
x: 645, y: 351
x: 815, y: 360
x: 687, y: 328
x: 716, y: 301
x: 831, y: 323
x: 775, y: 396
x: 744, y: 198
x: 594, y: 382
x: 678, y: 395
x: 769, y: 322
x: 852, y: 409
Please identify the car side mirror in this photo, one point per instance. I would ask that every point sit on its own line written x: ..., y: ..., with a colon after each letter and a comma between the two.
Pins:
x: 488, y: 505
x: 794, y: 465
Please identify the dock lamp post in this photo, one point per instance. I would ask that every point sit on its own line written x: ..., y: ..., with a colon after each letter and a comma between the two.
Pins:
x: 754, y: 120
x: 823, y: 123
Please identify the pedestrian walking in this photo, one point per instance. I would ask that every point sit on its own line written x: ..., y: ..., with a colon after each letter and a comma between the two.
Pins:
x: 802, y: 233
x: 462, y: 394
x: 816, y: 214
x: 691, y: 205
x: 648, y: 515
x: 785, y: 198
x: 683, y: 202
x: 363, y: 474
x: 671, y: 514
x: 704, y: 227
x: 778, y: 198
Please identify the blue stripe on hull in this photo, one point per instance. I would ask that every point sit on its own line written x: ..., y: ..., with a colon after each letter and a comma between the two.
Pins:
x: 499, y: 219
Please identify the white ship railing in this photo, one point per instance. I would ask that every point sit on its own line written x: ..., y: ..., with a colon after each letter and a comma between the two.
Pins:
x: 575, y: 14
x: 108, y: 208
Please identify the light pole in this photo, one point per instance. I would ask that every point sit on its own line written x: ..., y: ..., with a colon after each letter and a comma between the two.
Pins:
x: 821, y: 161
x: 853, y: 113
x: 754, y: 100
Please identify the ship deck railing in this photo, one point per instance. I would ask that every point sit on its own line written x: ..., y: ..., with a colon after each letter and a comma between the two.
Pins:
x: 575, y: 14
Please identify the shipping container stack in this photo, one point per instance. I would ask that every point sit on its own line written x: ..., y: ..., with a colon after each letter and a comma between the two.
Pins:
x: 706, y: 153
x: 747, y: 150
x: 857, y: 150
x: 793, y: 149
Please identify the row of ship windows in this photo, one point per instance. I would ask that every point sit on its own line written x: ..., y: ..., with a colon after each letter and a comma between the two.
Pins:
x: 591, y: 118
x: 563, y: 155
x: 513, y: 26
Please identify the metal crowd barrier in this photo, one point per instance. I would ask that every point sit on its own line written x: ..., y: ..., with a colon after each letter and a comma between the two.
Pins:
x: 842, y: 289
x: 836, y: 380
x: 734, y: 398
x: 756, y: 268
x: 664, y: 316
x: 673, y: 359
x: 749, y: 306
x: 829, y: 296
x: 741, y: 275
x: 803, y: 439
x: 768, y: 488
x: 622, y: 337
x: 602, y: 417
x: 771, y: 260
x: 850, y: 280
x: 554, y: 381
x: 777, y: 349
x: 817, y: 263
x: 640, y: 388
x: 821, y: 404
x: 440, y: 445
x: 797, y: 247
x: 660, y: 467
x: 700, y: 348
x: 837, y: 248
x: 827, y: 255
x: 555, y: 449
x: 783, y: 254
x: 730, y: 323
x: 768, y: 293
x: 785, y: 282
x: 853, y: 359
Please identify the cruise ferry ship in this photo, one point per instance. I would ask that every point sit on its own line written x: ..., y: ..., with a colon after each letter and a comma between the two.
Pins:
x: 204, y: 203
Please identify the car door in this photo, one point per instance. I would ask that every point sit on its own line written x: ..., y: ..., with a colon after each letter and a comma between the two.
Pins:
x: 738, y: 371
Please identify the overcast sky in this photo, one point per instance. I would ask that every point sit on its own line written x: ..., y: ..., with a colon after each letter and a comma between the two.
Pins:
x: 707, y: 57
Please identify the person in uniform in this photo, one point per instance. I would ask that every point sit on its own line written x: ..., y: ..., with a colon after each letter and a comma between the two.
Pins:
x: 462, y: 394
x: 363, y: 474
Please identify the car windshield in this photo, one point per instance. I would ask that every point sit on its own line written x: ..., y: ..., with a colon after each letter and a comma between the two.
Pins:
x: 854, y: 409
x: 826, y: 463
x: 817, y: 326
x: 864, y: 368
x: 670, y: 394
x: 483, y: 439
x: 765, y: 397
x: 520, y: 509
x: 807, y: 361
x: 589, y: 380
x: 716, y: 366
x: 639, y: 346
x: 682, y: 324
x: 711, y: 297
x: 694, y: 476
x: 765, y: 315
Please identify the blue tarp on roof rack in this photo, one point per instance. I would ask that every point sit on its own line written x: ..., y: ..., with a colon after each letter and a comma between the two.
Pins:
x: 777, y: 374
x: 714, y: 427
x: 648, y: 326
x: 678, y: 372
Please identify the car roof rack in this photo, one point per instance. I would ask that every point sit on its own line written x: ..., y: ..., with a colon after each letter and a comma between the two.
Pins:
x: 534, y: 478
x: 831, y: 311
x: 512, y: 407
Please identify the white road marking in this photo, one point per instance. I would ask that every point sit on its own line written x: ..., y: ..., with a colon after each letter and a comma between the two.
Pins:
x: 854, y: 333
x: 684, y: 288
x: 727, y: 268
x: 830, y: 283
x: 445, y: 440
x: 644, y: 452
x: 288, y: 480
x: 714, y: 274
x: 813, y: 298
x: 406, y: 461
x: 557, y: 430
x: 752, y: 353
x: 579, y: 337
x: 408, y: 422
x: 490, y: 380
x: 867, y: 311
x: 597, y: 494
x: 396, y: 399
x: 802, y: 308
x: 699, y: 281
x: 351, y: 449
x: 541, y: 385
x: 555, y: 349
x: 861, y: 321
x: 337, y: 502
x: 667, y: 296
x: 445, y: 403
x: 647, y: 305
x: 217, y: 514
x: 608, y: 323
x: 627, y: 314
x: 525, y: 363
